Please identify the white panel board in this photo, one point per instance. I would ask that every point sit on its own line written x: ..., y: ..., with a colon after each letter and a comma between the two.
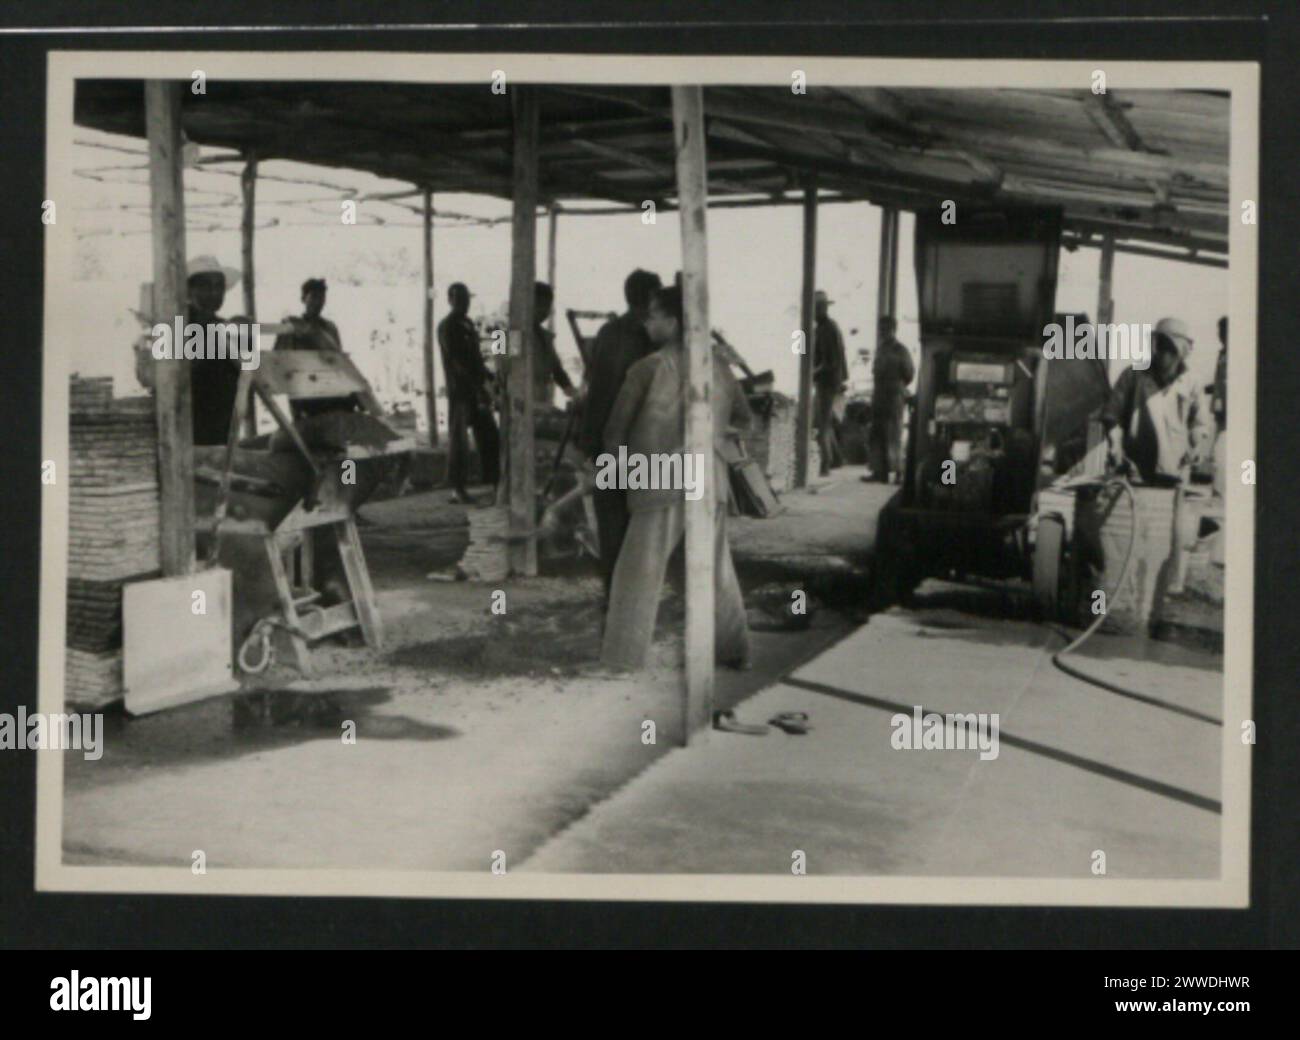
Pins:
x: 171, y: 654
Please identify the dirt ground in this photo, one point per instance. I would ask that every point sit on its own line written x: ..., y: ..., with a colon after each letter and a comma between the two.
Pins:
x: 475, y: 732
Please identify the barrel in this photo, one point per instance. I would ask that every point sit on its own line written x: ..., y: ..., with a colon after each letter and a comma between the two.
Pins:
x: 1104, y: 524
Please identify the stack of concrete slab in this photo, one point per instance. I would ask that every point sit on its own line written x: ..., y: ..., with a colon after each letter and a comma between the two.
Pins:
x: 771, y: 440
x: 485, y: 557
x: 113, y: 530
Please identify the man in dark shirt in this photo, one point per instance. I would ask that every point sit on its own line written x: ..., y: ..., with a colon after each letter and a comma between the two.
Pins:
x: 313, y: 331
x: 214, y: 382
x: 548, y: 371
x: 621, y: 343
x: 1153, y: 416
x: 830, y: 374
x: 467, y: 379
x: 892, y: 371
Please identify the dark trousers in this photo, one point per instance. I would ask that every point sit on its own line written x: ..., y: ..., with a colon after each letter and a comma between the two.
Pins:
x: 824, y: 422
x: 611, y: 527
x: 885, y: 454
x: 467, y: 414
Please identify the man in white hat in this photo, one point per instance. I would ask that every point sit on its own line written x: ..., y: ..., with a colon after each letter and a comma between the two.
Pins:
x: 1153, y: 416
x: 213, y: 381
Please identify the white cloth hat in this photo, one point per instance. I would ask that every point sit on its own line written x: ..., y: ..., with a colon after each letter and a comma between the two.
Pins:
x: 1176, y: 330
x: 210, y: 265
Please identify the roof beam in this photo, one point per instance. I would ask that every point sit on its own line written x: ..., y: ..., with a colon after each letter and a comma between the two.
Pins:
x: 889, y: 109
x: 659, y: 169
x: 1073, y: 240
x: 1110, y: 119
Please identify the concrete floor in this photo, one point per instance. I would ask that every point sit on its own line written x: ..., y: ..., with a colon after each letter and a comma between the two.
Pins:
x: 1078, y: 770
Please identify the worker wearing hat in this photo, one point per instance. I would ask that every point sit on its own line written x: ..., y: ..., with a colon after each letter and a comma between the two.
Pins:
x: 1153, y: 417
x: 213, y: 381
x: 830, y: 373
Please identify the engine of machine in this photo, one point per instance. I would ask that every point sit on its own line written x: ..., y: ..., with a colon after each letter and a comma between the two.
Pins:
x: 975, y: 446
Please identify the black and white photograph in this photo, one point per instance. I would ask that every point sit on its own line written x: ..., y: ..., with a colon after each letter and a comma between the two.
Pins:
x: 542, y: 476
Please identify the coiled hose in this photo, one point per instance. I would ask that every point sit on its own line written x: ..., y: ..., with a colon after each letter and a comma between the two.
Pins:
x: 1076, y: 673
x: 260, y: 637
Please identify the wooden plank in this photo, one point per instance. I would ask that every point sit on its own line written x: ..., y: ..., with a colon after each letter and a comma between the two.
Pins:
x: 692, y: 193
x: 358, y: 575
x: 284, y: 590
x: 803, y: 415
x: 430, y: 389
x: 171, y: 380
x: 243, y: 399
x: 519, y: 384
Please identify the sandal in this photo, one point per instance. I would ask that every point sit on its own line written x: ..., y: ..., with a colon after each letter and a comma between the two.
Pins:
x: 728, y: 723
x: 793, y: 722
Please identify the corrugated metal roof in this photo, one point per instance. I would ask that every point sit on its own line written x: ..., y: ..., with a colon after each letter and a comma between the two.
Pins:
x: 1145, y: 165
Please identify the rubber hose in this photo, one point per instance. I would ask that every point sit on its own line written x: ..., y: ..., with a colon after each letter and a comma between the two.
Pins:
x: 1086, y: 634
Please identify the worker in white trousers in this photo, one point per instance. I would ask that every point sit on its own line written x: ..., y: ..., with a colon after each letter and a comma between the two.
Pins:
x: 648, y: 423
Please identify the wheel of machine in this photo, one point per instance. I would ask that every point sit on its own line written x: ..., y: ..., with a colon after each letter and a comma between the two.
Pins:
x: 884, y: 562
x: 1049, y: 551
x: 894, y: 570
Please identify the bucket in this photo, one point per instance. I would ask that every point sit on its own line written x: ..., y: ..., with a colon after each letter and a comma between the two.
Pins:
x: 1104, y: 525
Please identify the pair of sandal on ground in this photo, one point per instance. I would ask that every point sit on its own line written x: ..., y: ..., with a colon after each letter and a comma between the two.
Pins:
x: 793, y: 722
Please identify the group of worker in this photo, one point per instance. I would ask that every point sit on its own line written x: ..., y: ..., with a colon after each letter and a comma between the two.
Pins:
x: 1153, y: 417
x: 631, y: 399
x: 470, y: 385
x: 214, y: 382
x: 892, y: 370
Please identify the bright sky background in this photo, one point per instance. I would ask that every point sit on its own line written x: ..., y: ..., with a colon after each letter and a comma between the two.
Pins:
x: 374, y: 270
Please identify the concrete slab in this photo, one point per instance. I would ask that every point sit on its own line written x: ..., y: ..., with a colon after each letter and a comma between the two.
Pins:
x: 833, y: 516
x: 1078, y: 770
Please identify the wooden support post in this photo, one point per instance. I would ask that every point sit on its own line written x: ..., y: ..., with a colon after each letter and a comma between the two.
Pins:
x: 171, y: 378
x: 554, y: 226
x: 692, y: 195
x: 886, y: 268
x: 891, y: 294
x: 882, y: 272
x: 248, y: 191
x: 807, y: 317
x: 430, y: 388
x: 519, y: 380
x: 1105, y: 304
